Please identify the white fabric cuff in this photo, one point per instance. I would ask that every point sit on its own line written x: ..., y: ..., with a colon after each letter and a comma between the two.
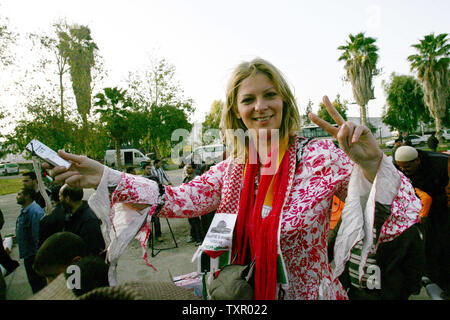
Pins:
x: 359, y: 209
x: 100, y: 201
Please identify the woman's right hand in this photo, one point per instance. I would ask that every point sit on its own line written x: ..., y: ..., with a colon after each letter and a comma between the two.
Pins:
x: 83, y: 173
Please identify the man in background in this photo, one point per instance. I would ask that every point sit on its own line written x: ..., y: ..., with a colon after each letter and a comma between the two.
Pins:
x: 195, y: 223
x: 55, y: 221
x: 163, y: 179
x: 81, y: 220
x: 29, y: 181
x: 5, y: 260
x: 158, y: 171
x: 27, y: 234
x: 428, y: 171
x: 433, y: 142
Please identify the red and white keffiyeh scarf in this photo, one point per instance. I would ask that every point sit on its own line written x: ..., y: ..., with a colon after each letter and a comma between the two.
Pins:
x: 261, y: 233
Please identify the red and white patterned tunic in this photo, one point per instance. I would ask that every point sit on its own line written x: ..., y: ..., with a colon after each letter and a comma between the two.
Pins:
x: 317, y: 171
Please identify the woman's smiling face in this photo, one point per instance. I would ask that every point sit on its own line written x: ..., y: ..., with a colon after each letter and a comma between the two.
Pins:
x: 259, y: 104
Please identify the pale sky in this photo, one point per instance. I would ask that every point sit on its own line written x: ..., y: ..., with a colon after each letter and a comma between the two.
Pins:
x: 206, y: 39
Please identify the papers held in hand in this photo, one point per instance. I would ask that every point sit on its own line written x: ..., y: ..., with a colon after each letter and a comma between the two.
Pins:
x: 45, y: 153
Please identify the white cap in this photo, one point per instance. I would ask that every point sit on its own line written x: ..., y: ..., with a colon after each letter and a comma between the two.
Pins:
x: 406, y: 153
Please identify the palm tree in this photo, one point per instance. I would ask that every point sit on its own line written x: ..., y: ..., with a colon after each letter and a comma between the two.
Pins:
x: 113, y: 107
x: 78, y: 47
x: 360, y: 56
x: 432, y: 66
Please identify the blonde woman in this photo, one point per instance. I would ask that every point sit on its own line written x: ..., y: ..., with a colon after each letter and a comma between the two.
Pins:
x: 280, y: 185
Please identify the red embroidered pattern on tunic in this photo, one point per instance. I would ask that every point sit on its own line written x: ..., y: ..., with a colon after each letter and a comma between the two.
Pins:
x: 322, y: 171
x: 135, y: 189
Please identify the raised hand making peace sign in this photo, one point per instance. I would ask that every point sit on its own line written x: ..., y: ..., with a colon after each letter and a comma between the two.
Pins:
x: 356, y: 140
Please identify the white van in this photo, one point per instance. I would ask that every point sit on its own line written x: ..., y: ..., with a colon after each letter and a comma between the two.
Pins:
x: 128, y: 157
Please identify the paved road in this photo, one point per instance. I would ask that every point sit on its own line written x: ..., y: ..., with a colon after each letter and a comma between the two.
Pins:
x: 9, y: 177
x: 131, y: 266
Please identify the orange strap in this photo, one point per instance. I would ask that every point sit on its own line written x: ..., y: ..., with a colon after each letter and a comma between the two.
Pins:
x: 426, y: 200
x: 336, y: 210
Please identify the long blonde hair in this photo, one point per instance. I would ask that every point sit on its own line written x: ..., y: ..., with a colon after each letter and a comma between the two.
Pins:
x: 290, y: 123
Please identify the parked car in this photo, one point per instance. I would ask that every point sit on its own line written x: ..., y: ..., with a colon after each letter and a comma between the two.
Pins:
x: 390, y: 144
x: 210, y: 153
x: 9, y: 168
x: 415, y: 140
x: 446, y: 134
x: 418, y: 140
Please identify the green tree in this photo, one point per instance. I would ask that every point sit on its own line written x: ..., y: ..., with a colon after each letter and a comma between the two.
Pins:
x: 306, y: 121
x: 7, y: 38
x: 155, y: 84
x: 163, y: 121
x: 42, y: 121
x: 98, y: 140
x: 114, y: 108
x: 152, y: 89
x: 79, y: 48
x: 432, y: 66
x: 341, y: 107
x: 212, y: 122
x: 138, y: 128
x: 360, y: 57
x: 53, y: 60
x: 405, y: 105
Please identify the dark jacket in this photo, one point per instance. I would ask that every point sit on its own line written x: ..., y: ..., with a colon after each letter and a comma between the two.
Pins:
x: 52, y: 223
x: 85, y: 224
x: 401, y: 262
x: 432, y: 142
x: 2, y: 219
x: 432, y: 177
x: 40, y: 199
x: 189, y: 178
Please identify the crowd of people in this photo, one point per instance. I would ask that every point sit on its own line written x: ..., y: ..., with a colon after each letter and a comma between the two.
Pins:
x: 280, y: 186
x: 50, y: 243
x: 36, y: 232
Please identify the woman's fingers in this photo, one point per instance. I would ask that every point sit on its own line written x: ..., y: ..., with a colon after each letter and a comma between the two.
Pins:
x: 323, y: 124
x: 64, y: 176
x: 83, y: 173
x: 346, y: 134
x: 54, y: 171
x: 359, y: 130
x: 74, y: 180
x: 71, y: 157
x: 332, y: 111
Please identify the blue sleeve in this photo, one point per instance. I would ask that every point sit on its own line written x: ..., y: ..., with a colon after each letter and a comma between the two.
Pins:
x: 35, y: 221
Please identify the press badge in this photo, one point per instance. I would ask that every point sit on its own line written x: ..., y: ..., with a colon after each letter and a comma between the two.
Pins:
x: 219, y: 237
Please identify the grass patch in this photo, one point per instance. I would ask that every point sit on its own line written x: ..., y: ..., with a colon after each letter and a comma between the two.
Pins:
x: 8, y: 186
